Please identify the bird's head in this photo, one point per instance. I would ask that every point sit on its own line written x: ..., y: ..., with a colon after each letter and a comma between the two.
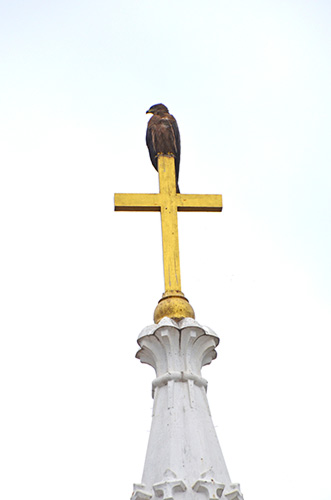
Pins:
x: 157, y: 109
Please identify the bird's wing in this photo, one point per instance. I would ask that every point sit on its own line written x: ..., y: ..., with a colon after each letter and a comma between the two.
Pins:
x: 176, y: 134
x: 175, y: 130
x: 150, y: 141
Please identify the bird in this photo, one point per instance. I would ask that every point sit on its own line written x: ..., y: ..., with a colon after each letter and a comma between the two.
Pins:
x: 162, y: 136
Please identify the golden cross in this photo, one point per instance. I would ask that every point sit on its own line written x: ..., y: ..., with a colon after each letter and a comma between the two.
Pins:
x: 173, y: 303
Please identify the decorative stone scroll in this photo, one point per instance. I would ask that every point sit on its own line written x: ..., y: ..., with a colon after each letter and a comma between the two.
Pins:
x: 140, y: 493
x: 165, y: 489
x: 233, y: 492
x: 177, y: 354
x: 207, y: 484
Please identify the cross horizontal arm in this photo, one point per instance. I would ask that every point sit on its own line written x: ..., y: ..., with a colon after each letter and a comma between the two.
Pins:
x: 152, y: 202
x: 199, y: 202
x: 125, y: 202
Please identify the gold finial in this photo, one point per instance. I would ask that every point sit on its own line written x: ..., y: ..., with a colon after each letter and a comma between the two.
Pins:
x: 173, y: 303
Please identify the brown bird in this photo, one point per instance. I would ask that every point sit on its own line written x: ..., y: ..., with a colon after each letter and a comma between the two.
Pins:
x: 162, y: 136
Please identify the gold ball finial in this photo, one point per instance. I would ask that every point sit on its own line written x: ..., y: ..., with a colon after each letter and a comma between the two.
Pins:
x: 174, y: 305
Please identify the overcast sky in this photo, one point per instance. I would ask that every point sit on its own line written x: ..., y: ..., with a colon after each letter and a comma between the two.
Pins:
x: 249, y: 84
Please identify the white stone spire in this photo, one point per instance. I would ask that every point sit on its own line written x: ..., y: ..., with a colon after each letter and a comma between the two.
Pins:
x: 184, y: 460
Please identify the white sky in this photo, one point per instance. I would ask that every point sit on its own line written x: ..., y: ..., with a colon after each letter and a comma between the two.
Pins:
x: 249, y: 84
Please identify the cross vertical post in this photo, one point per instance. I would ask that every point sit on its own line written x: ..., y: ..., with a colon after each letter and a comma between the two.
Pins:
x: 169, y: 221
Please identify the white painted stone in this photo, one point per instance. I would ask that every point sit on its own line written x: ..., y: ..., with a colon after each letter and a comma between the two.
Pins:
x: 140, y: 493
x: 208, y: 485
x: 167, y: 488
x: 233, y: 492
x: 184, y: 460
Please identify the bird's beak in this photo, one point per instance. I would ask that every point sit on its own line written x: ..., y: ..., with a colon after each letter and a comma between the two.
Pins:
x: 148, y: 111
